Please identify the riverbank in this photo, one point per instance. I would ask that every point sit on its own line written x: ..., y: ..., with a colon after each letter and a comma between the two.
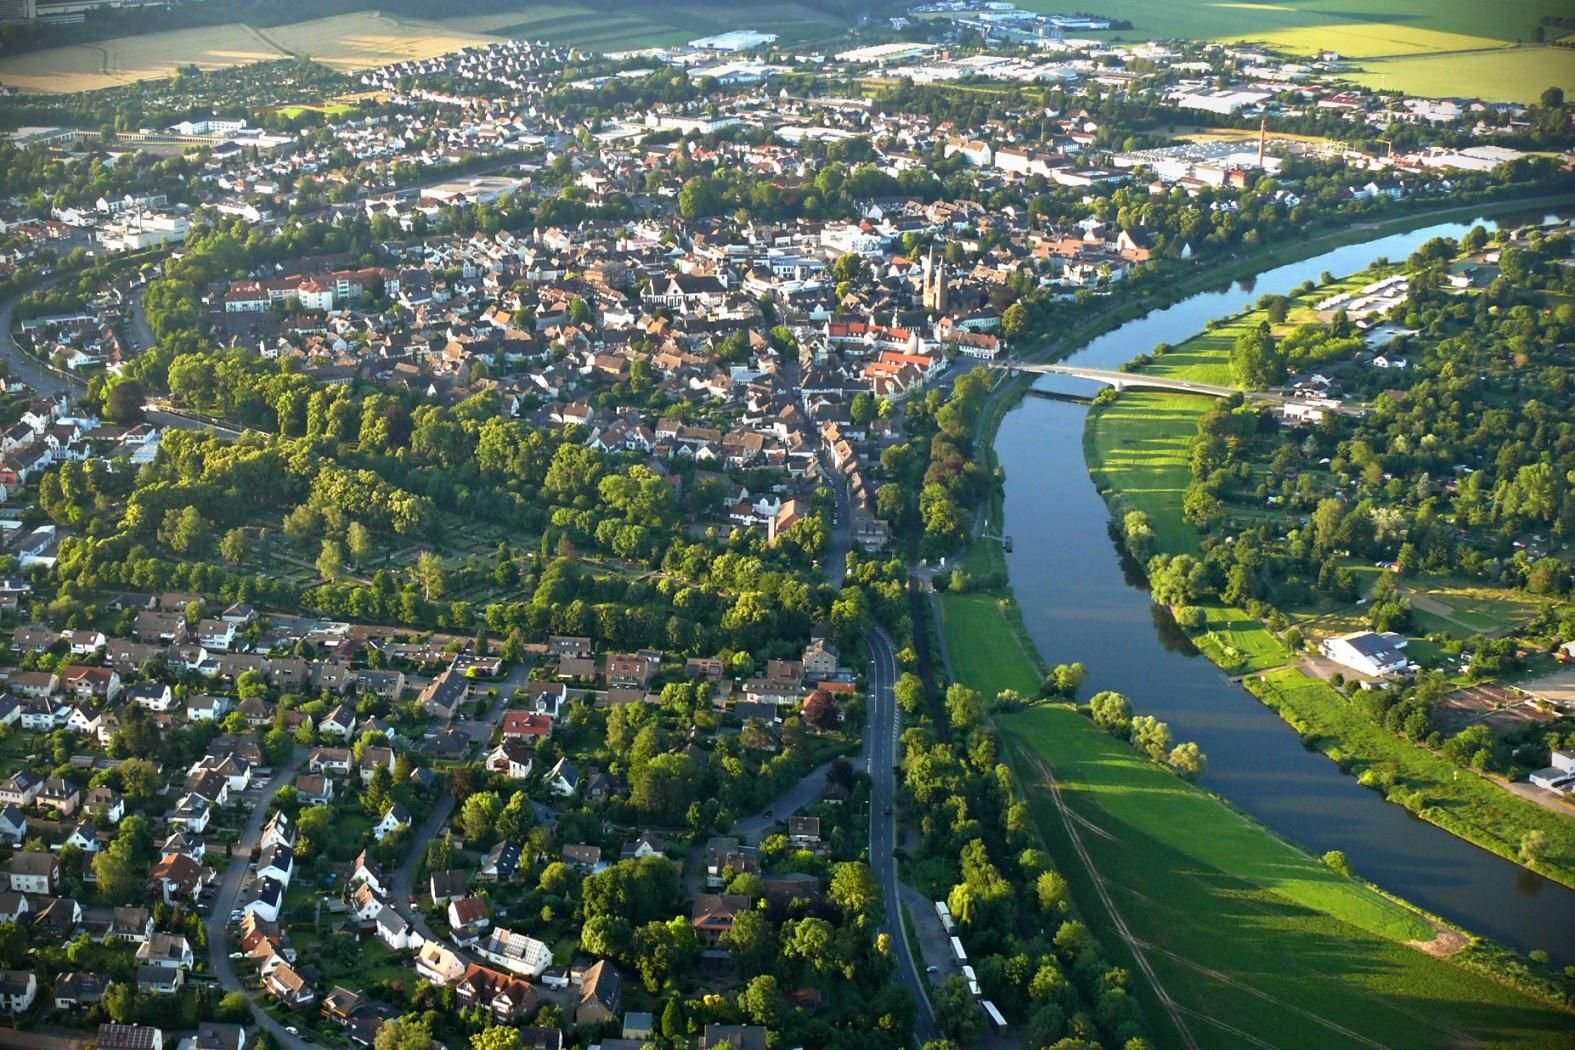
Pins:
x: 1137, y: 453
x: 1011, y: 660
x: 1221, y: 973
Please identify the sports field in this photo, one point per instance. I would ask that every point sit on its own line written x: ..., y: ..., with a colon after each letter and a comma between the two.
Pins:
x: 593, y: 25
x: 344, y: 42
x: 1257, y: 943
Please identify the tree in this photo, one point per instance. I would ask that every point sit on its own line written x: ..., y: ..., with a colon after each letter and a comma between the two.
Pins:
x: 1151, y: 736
x: 1111, y: 711
x: 235, y: 546
x: 496, y: 1037
x: 1188, y: 759
x: 358, y: 540
x: 820, y: 710
x: 235, y: 1007
x: 430, y: 576
x: 479, y: 815
x: 1533, y: 847
x: 964, y: 707
x: 761, y: 1000
x: 125, y: 401
x: 909, y: 691
x: 854, y: 889
x: 812, y: 940
x: 331, y: 561
x: 410, y: 1032
x: 956, y: 1012
x: 1051, y: 891
x: 119, y: 877
x: 184, y: 529
x: 1014, y: 321
x: 862, y: 409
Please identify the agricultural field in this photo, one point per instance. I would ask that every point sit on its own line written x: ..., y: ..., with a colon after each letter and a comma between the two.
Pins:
x: 1393, y: 43
x: 586, y: 25
x: 344, y: 42
x: 125, y: 60
x: 1512, y: 74
x: 1258, y: 943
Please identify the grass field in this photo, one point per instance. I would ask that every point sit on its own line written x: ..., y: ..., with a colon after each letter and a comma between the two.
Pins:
x: 594, y: 26
x: 984, y: 646
x: 344, y: 42
x: 331, y: 109
x: 1137, y: 445
x: 1258, y: 943
x: 1513, y: 74
x: 1235, y: 641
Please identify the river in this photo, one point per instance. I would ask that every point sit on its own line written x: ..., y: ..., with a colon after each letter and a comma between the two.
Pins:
x: 1079, y: 603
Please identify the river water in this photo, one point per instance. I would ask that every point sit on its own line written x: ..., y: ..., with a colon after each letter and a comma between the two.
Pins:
x: 1080, y: 603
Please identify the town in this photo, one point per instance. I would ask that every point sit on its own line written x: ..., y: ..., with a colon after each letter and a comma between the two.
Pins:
x: 486, y: 537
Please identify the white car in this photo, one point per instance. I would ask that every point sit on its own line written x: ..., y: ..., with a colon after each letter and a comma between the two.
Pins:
x: 292, y: 1029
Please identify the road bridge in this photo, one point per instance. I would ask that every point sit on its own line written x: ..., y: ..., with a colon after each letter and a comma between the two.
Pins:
x: 1147, y: 381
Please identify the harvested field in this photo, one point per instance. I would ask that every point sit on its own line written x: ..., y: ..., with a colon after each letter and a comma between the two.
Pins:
x: 368, y: 39
x: 344, y: 42
x: 125, y: 60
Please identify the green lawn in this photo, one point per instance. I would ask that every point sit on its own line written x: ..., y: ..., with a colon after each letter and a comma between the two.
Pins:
x: 986, y: 649
x: 1236, y: 642
x: 1254, y: 939
x: 1468, y: 805
x: 1137, y: 445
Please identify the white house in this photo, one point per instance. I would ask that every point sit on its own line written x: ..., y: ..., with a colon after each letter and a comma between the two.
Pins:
x: 563, y: 779
x: 394, y: 931
x: 1367, y: 652
x: 397, y: 817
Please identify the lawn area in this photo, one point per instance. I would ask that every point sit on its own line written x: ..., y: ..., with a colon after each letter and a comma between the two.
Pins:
x: 1257, y: 942
x: 1473, y: 807
x: 329, y: 109
x: 986, y: 649
x: 1137, y: 445
x: 1235, y: 641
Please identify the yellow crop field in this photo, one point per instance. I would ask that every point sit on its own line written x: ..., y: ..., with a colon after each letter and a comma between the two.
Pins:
x: 344, y: 42
x: 125, y: 60
x: 369, y: 38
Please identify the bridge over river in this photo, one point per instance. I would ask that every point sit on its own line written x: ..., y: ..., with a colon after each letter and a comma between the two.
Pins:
x: 1146, y: 381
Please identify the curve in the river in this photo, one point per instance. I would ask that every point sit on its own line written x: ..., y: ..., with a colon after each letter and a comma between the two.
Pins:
x: 1079, y: 603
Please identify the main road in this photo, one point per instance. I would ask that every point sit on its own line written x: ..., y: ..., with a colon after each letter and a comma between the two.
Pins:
x: 881, y: 740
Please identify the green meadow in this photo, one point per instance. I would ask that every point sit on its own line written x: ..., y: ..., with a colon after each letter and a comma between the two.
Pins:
x: 1257, y: 943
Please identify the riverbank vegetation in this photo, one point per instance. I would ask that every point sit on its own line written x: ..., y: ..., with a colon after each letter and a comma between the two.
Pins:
x: 1458, y: 482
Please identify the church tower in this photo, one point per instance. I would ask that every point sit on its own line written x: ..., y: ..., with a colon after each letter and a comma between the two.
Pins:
x: 935, y: 282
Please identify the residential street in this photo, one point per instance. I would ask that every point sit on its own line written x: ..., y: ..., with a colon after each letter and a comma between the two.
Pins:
x: 217, y: 920
x: 404, y: 876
